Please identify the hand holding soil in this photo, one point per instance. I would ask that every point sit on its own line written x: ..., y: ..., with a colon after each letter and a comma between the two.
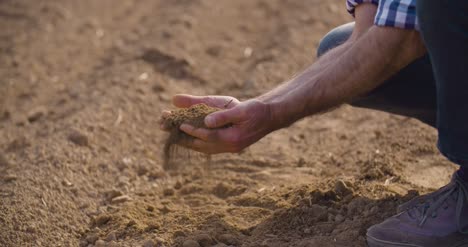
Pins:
x: 247, y: 122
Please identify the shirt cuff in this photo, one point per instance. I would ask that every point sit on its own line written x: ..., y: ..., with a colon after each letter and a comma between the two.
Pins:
x: 397, y: 13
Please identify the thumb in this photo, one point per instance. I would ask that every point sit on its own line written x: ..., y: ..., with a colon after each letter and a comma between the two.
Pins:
x: 221, y: 118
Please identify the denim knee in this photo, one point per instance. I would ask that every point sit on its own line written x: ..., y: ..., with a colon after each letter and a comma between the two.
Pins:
x: 335, y: 38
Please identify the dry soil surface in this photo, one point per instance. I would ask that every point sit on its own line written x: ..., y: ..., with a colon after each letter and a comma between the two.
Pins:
x: 83, y: 84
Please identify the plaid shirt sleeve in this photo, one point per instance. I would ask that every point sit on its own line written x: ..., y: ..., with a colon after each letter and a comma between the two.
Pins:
x: 397, y: 13
x: 390, y: 13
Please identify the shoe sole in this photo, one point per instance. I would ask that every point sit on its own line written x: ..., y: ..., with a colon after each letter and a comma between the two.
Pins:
x: 373, y: 242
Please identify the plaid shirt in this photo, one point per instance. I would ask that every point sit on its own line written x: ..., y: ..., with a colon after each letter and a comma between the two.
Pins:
x: 391, y: 13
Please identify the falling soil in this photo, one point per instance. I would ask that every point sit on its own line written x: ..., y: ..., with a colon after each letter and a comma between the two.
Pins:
x: 195, y: 116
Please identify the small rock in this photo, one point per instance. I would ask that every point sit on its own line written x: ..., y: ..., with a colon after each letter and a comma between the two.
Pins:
x: 10, y: 178
x: 92, y: 238
x: 204, y: 240
x: 121, y: 199
x: 307, y: 231
x: 113, y: 244
x: 339, y: 218
x: 102, y: 219
x: 100, y: 243
x: 178, y: 185
x: 3, y: 160
x: 220, y: 245
x: 66, y: 183
x: 36, y: 114
x: 31, y: 229
x: 113, y: 194
x: 190, y: 243
x: 165, y: 97
x: 78, y: 138
x: 228, y: 239
x: 111, y: 237
x: 158, y: 88
x: 179, y: 234
x: 168, y: 192
x: 149, y: 243
x: 342, y: 189
x: 150, y: 208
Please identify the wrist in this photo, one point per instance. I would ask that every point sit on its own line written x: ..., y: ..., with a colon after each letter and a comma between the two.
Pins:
x: 281, y: 115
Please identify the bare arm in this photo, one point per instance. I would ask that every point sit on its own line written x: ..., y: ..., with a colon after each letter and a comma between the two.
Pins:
x: 370, y: 56
x: 353, y: 69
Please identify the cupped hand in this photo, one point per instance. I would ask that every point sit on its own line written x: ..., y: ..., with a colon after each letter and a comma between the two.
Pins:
x: 232, y: 129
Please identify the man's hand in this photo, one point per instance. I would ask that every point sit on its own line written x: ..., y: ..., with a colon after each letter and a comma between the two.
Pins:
x: 247, y: 122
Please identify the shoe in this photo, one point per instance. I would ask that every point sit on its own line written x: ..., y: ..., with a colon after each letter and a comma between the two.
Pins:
x: 438, y: 219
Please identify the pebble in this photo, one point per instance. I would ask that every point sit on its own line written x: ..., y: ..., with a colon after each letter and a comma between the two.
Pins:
x: 178, y: 185
x: 121, y: 199
x: 342, y: 189
x: 228, y: 239
x: 3, y: 160
x: 168, y: 192
x: 204, y: 240
x: 190, y: 243
x: 149, y: 243
x: 92, y: 238
x: 36, y: 114
x: 339, y: 218
x: 102, y: 219
x: 10, y: 178
x: 113, y: 194
x: 220, y: 245
x: 111, y: 237
x: 100, y: 243
x: 78, y: 138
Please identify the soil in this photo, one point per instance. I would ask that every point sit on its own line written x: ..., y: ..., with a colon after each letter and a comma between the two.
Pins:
x: 195, y: 116
x: 83, y: 84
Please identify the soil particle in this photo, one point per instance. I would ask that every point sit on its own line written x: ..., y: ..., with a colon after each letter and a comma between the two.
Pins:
x: 4, y: 161
x: 102, y: 220
x: 36, y: 114
x: 10, y: 178
x: 168, y: 192
x: 78, y: 138
x: 190, y: 243
x: 100, y: 243
x: 92, y: 238
x: 149, y: 243
x: 342, y: 189
x: 204, y: 240
x: 121, y: 199
x: 111, y: 237
x: 228, y: 239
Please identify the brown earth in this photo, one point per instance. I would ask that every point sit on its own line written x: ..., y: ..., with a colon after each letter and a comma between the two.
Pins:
x: 193, y: 115
x: 82, y: 86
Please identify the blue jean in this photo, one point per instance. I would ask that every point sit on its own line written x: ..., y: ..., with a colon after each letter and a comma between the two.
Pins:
x: 434, y: 88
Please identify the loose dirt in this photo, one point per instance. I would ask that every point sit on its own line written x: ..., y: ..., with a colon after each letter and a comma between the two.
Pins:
x: 194, y: 115
x: 81, y: 152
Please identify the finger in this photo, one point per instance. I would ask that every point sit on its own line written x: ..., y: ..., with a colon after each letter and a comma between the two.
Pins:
x: 223, y: 102
x: 200, y: 133
x: 222, y: 118
x: 186, y: 100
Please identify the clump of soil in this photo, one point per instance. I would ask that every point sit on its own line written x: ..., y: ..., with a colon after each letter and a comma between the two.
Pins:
x: 194, y: 115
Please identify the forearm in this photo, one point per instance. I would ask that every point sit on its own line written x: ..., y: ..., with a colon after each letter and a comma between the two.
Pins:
x: 344, y: 73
